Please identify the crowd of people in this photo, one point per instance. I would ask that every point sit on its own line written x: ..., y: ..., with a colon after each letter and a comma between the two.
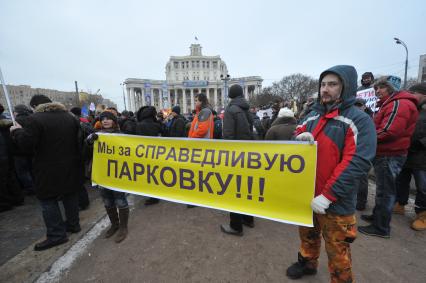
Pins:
x: 48, y: 153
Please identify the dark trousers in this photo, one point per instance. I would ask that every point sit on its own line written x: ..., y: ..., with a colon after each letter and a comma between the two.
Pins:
x: 362, y: 194
x: 387, y: 169
x: 56, y: 227
x: 403, y: 188
x: 237, y: 220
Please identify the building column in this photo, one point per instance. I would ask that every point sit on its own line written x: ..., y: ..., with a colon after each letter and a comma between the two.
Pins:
x: 132, y: 99
x: 192, y: 99
x: 169, y: 99
x: 128, y: 99
x: 184, y: 100
x: 160, y: 95
x: 246, y: 94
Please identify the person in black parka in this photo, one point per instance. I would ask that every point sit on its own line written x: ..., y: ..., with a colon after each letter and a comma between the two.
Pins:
x: 148, y: 125
x: 53, y: 134
x: 237, y: 125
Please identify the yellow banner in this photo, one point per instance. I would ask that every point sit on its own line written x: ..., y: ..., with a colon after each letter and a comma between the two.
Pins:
x: 272, y: 180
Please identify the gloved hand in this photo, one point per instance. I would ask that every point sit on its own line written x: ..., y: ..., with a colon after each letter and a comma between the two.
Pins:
x: 320, y: 203
x: 91, y: 138
x: 306, y: 136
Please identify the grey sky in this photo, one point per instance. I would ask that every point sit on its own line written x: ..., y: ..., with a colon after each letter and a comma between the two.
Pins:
x: 51, y: 44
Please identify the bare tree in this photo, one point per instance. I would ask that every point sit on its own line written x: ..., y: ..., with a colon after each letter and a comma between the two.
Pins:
x: 296, y: 87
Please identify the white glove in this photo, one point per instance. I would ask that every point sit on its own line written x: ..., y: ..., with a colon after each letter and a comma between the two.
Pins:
x: 320, y: 204
x: 306, y: 136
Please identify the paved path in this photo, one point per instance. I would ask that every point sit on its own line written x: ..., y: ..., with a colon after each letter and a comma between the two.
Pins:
x: 170, y: 243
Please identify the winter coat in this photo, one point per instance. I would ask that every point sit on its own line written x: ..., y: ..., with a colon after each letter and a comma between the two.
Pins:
x: 177, y: 127
x: 53, y: 135
x: 282, y: 129
x: 416, y: 158
x: 258, y: 130
x: 202, y: 126
x: 6, y: 146
x: 346, y: 144
x: 127, y: 126
x: 395, y: 123
x: 266, y: 123
x: 237, y: 121
x: 147, y: 124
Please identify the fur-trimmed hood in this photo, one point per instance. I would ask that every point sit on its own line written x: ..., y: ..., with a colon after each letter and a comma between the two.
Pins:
x: 50, y: 107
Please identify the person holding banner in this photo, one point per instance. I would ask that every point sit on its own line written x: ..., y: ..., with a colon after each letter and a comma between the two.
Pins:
x: 237, y: 125
x: 346, y: 146
x: 52, y: 135
x: 115, y: 202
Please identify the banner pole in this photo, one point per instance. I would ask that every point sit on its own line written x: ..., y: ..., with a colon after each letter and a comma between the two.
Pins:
x: 9, y: 105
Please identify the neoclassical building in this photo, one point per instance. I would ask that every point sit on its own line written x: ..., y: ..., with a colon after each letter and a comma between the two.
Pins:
x: 187, y: 76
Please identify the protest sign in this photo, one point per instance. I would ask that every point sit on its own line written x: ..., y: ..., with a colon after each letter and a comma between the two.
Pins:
x: 369, y: 95
x: 270, y: 179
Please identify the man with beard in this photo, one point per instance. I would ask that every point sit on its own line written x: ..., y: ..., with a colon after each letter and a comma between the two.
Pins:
x: 346, y: 145
x: 367, y: 81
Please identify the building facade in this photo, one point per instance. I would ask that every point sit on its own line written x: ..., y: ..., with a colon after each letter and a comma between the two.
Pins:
x: 186, y: 76
x: 422, y: 69
x: 22, y: 94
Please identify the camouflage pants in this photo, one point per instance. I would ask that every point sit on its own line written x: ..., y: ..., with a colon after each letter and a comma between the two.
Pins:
x: 338, y: 232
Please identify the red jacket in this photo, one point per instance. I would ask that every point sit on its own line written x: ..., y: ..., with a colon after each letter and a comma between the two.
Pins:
x: 395, y: 123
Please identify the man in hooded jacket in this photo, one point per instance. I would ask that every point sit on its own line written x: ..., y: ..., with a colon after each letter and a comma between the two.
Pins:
x: 237, y: 125
x: 346, y: 146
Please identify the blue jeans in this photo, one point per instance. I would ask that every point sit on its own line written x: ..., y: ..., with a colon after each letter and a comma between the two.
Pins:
x: 403, y: 188
x: 387, y: 169
x: 113, y: 198
x: 55, y: 225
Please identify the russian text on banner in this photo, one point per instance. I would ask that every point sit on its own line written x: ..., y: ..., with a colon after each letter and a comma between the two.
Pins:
x: 272, y: 180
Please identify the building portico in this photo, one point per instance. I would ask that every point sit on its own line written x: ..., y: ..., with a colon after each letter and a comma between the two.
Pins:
x: 183, y: 83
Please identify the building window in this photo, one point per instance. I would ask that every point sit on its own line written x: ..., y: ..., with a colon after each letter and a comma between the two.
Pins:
x: 214, y: 64
x: 207, y: 64
x: 176, y: 64
x: 183, y: 65
x: 193, y: 64
x: 198, y: 64
x: 187, y: 64
x: 204, y: 64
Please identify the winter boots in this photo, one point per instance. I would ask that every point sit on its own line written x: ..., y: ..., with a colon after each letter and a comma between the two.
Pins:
x: 122, y: 230
x: 398, y: 209
x: 420, y: 223
x: 300, y: 268
x: 113, y: 217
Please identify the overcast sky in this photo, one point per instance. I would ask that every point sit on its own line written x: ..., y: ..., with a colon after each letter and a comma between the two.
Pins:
x: 50, y: 44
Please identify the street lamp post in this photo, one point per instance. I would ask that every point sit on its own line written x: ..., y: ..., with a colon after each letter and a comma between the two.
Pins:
x: 124, y: 96
x: 225, y: 80
x: 399, y: 41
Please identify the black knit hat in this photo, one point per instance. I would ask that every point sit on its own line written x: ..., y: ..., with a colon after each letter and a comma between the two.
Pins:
x: 108, y: 115
x: 176, y: 109
x: 38, y: 99
x: 235, y: 91
x: 420, y: 88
